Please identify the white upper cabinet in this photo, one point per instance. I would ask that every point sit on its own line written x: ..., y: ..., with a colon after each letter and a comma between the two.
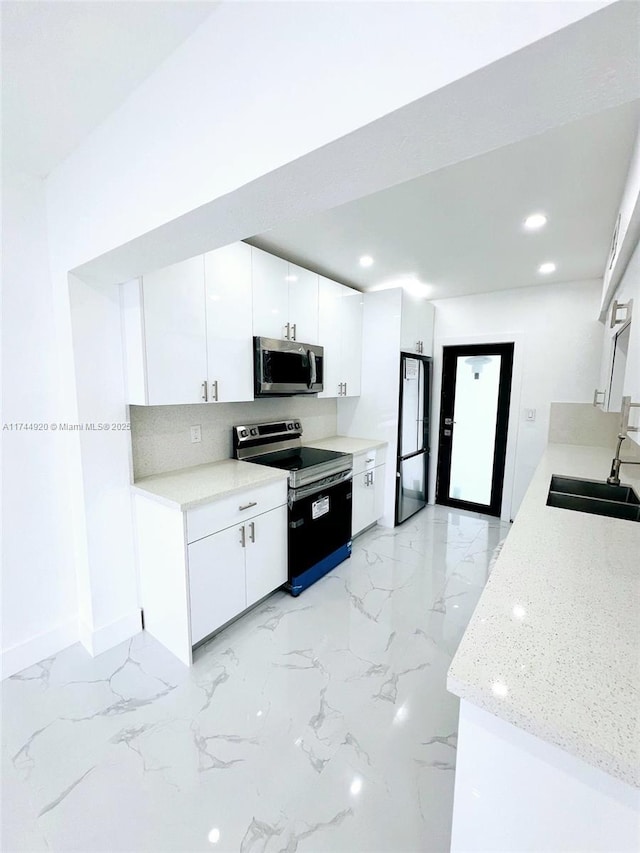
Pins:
x: 303, y: 305
x: 352, y: 306
x: 340, y: 333
x: 416, y: 331
x: 229, y: 327
x: 285, y: 299
x: 175, y: 333
x: 188, y: 331
x: 270, y: 295
x: 330, y: 333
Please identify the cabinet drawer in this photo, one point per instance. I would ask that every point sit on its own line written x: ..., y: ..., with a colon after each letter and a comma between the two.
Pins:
x: 368, y: 460
x: 212, y: 517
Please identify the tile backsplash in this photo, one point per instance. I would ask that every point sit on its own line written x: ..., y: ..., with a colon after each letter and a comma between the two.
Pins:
x: 161, y: 439
x: 582, y: 423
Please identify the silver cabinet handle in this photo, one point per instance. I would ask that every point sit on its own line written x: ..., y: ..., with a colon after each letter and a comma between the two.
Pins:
x: 293, y: 332
x: 243, y: 540
x: 340, y: 389
x: 214, y: 390
x: 205, y: 395
x: 252, y: 532
x: 596, y: 394
x: 369, y: 460
x: 248, y: 506
x: 345, y: 389
x: 287, y: 332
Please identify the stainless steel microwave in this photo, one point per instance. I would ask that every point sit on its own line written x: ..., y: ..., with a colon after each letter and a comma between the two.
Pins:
x: 285, y: 368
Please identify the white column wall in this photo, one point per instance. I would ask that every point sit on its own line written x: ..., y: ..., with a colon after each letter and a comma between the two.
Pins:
x: 38, y: 580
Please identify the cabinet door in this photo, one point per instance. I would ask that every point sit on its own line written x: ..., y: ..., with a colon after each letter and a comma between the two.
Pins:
x: 229, y: 324
x: 377, y: 486
x: 330, y: 335
x: 351, y: 344
x: 216, y: 581
x: 270, y: 294
x: 416, y: 329
x: 363, y: 503
x: 303, y: 304
x: 175, y: 333
x: 266, y: 553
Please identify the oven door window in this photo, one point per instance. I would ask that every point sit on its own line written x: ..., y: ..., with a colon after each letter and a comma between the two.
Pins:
x: 319, y: 524
x: 286, y: 368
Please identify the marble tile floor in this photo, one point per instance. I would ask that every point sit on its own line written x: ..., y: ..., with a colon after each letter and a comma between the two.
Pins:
x: 320, y: 723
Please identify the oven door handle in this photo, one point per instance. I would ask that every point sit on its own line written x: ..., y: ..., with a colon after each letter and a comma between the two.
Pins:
x: 317, y: 487
x: 313, y: 374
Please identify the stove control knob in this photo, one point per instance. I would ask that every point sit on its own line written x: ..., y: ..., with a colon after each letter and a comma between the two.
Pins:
x: 289, y: 426
x: 243, y: 433
x: 297, y: 424
x: 254, y: 432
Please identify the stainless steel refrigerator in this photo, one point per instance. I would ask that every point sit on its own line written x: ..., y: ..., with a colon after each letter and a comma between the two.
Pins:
x: 413, y: 435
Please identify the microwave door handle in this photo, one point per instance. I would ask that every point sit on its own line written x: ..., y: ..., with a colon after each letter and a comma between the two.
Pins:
x: 312, y: 368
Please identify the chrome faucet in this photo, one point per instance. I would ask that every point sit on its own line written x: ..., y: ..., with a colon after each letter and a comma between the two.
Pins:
x: 614, y: 476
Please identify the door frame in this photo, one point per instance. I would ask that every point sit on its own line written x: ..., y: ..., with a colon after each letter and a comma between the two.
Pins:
x: 454, y: 353
x: 518, y: 340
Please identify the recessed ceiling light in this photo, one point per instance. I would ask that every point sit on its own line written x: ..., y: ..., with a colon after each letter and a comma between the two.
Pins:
x: 535, y: 221
x: 547, y: 268
x: 366, y: 261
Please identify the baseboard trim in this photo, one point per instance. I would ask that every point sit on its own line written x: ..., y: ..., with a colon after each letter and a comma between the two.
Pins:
x: 19, y: 657
x: 101, y: 639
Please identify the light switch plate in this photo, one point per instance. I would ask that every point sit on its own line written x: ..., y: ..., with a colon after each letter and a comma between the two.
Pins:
x: 530, y: 414
x: 196, y: 434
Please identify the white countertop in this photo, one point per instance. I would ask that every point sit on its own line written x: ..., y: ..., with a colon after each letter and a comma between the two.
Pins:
x: 553, y: 646
x: 190, y: 487
x: 345, y: 444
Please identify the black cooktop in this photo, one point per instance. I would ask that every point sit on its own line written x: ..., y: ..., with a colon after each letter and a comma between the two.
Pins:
x: 296, y: 458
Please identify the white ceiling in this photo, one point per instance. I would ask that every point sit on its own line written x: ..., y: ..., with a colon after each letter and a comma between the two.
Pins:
x: 459, y: 230
x: 67, y: 65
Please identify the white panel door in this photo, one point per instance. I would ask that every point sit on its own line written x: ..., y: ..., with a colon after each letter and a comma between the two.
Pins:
x: 229, y: 323
x: 409, y: 328
x: 303, y: 305
x: 330, y: 335
x: 270, y: 294
x: 175, y: 333
x: 216, y: 581
x: 266, y: 553
x: 416, y: 333
x: 363, y: 503
x: 378, y: 492
x: 351, y: 344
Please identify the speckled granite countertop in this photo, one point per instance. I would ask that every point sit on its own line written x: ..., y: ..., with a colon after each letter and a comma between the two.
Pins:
x: 345, y: 444
x: 553, y: 646
x: 190, y: 487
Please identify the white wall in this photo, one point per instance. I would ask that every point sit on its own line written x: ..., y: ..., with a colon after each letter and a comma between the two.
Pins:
x: 224, y: 109
x: 38, y: 581
x: 558, y: 342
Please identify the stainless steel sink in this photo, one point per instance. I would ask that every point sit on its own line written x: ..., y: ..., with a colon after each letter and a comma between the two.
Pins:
x: 595, y: 497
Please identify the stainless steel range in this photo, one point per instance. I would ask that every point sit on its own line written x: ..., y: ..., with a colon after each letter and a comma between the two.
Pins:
x: 319, y: 496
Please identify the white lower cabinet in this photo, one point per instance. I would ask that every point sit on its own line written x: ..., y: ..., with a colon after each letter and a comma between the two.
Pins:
x: 231, y: 570
x: 203, y: 567
x: 266, y: 554
x: 217, y: 586
x: 368, y: 490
